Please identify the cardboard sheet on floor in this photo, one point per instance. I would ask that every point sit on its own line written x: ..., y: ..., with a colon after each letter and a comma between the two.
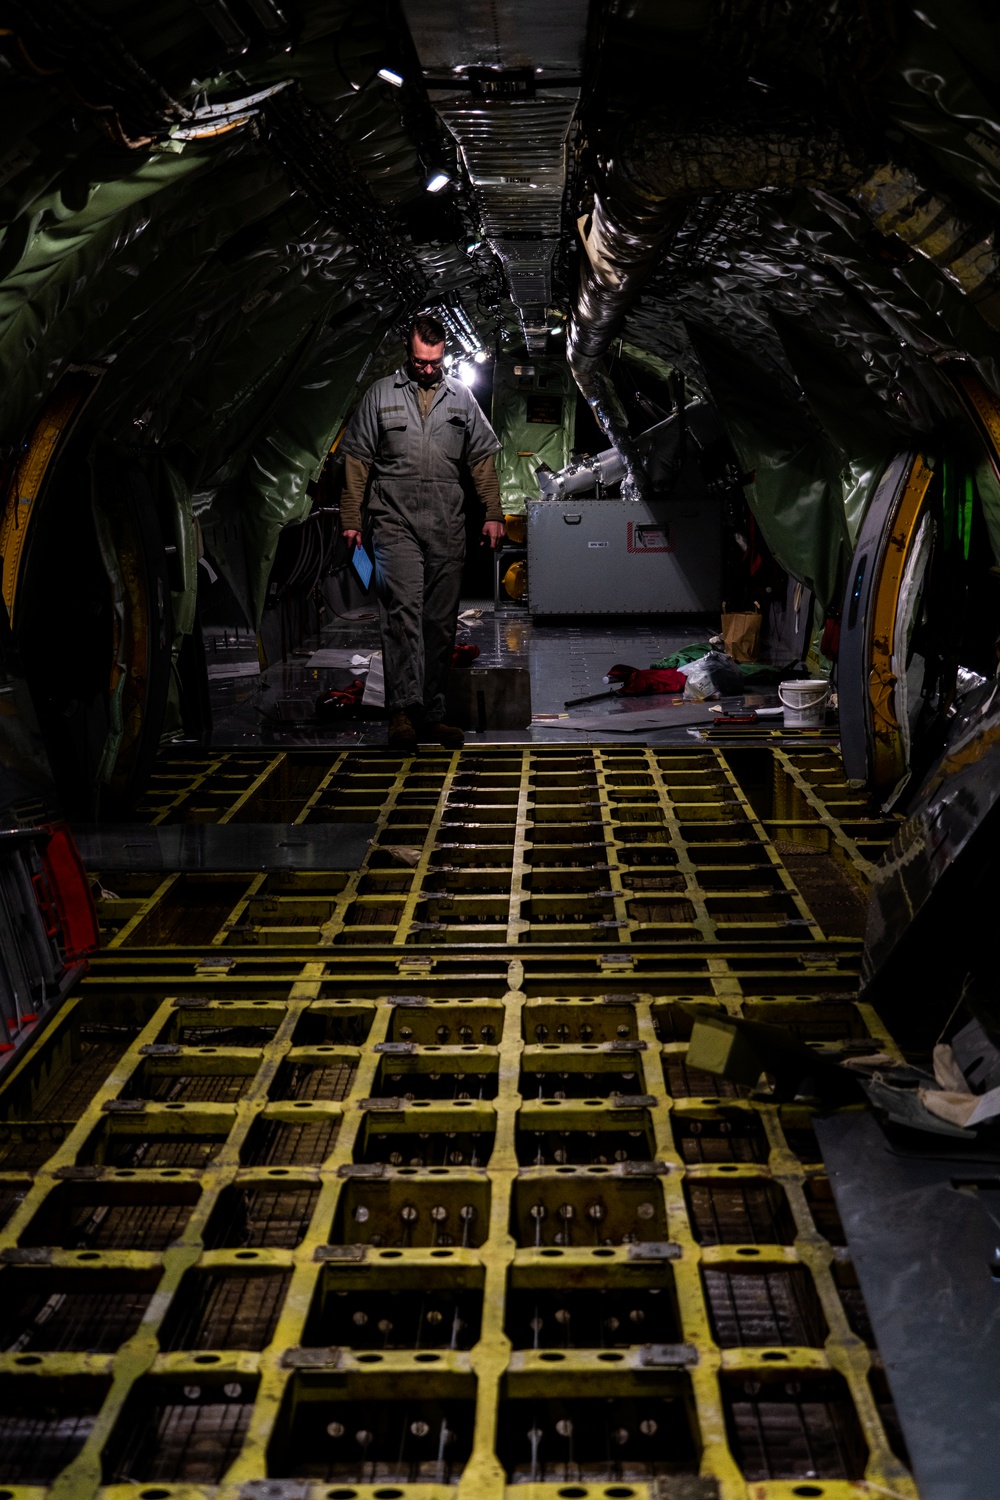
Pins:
x: 629, y: 722
x: 223, y: 846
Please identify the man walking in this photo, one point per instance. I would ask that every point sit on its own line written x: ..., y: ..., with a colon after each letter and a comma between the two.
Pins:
x: 405, y: 447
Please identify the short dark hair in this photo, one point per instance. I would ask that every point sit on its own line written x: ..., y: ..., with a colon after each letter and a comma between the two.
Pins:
x: 428, y: 329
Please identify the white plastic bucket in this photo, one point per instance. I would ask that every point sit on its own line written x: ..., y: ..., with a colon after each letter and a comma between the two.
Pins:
x: 804, y: 703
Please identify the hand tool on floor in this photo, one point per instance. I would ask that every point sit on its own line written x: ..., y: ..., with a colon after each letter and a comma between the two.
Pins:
x: 591, y: 698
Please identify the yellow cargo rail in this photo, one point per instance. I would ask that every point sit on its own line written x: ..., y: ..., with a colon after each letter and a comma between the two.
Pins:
x: 395, y: 1183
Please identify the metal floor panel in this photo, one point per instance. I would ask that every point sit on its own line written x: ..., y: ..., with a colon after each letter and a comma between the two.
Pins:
x: 394, y: 1182
x: 925, y: 1234
x: 564, y: 660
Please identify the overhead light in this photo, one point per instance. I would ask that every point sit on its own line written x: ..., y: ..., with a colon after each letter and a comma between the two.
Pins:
x: 389, y: 75
x: 467, y: 372
x: 448, y: 359
x: 473, y: 245
x: 559, y: 328
x: 437, y: 182
x: 480, y: 356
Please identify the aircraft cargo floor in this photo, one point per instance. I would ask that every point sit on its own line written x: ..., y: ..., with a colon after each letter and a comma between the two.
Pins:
x: 391, y: 1182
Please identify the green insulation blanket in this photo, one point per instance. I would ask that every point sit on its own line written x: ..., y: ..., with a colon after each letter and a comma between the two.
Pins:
x: 534, y: 416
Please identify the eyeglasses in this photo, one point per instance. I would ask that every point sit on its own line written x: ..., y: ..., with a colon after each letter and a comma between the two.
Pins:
x: 427, y: 364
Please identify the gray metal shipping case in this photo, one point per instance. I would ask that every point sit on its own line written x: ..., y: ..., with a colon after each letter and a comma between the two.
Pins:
x: 624, y: 557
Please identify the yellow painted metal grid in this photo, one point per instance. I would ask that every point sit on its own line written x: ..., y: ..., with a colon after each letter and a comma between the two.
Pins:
x: 450, y: 1214
x: 612, y: 848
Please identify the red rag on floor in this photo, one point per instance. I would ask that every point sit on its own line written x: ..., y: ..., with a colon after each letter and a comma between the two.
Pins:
x: 654, y: 680
x: 464, y: 654
x: 637, y: 681
x: 338, y: 702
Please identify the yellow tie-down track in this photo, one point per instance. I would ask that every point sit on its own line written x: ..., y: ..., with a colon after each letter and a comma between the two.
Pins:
x: 395, y: 1183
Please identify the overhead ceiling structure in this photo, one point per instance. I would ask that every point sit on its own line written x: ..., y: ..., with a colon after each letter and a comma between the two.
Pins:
x: 506, y: 82
x: 211, y: 238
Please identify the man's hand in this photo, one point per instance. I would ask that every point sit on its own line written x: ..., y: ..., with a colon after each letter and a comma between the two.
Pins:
x: 493, y: 534
x: 352, y: 538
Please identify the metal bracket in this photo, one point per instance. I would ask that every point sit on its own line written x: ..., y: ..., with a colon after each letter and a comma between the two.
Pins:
x: 382, y: 1106
x: 644, y: 1169
x: 159, y: 1049
x: 668, y: 1356
x: 655, y: 1250
x: 406, y: 1000
x: 223, y: 965
x: 627, y: 1046
x: 346, y: 1254
x: 124, y: 1106
x: 633, y: 1101
x: 685, y: 1487
x: 275, y: 1489
x: 362, y: 1169
x: 616, y: 961
x: 79, y: 1174
x: 193, y: 1002
x: 37, y: 1255
x: 311, y: 1359
x: 395, y: 1049
x: 619, y: 999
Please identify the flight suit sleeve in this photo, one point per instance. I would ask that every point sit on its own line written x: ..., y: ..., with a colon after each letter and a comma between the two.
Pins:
x: 484, y: 477
x: 356, y: 472
x: 360, y: 438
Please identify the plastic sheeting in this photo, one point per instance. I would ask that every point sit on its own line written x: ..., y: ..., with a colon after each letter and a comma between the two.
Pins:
x: 843, y: 344
x: 844, y: 327
x: 524, y: 443
x: 213, y: 286
x: 205, y: 277
x: 795, y: 490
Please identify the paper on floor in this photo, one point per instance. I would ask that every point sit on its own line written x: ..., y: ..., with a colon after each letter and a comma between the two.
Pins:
x: 374, y: 693
x: 633, y: 723
x: 338, y: 656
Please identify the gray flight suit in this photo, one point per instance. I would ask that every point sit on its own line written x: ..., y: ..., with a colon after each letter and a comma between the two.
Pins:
x: 414, y: 505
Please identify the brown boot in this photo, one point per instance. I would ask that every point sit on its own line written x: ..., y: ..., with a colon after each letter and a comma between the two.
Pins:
x: 448, y: 735
x: 402, y: 734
